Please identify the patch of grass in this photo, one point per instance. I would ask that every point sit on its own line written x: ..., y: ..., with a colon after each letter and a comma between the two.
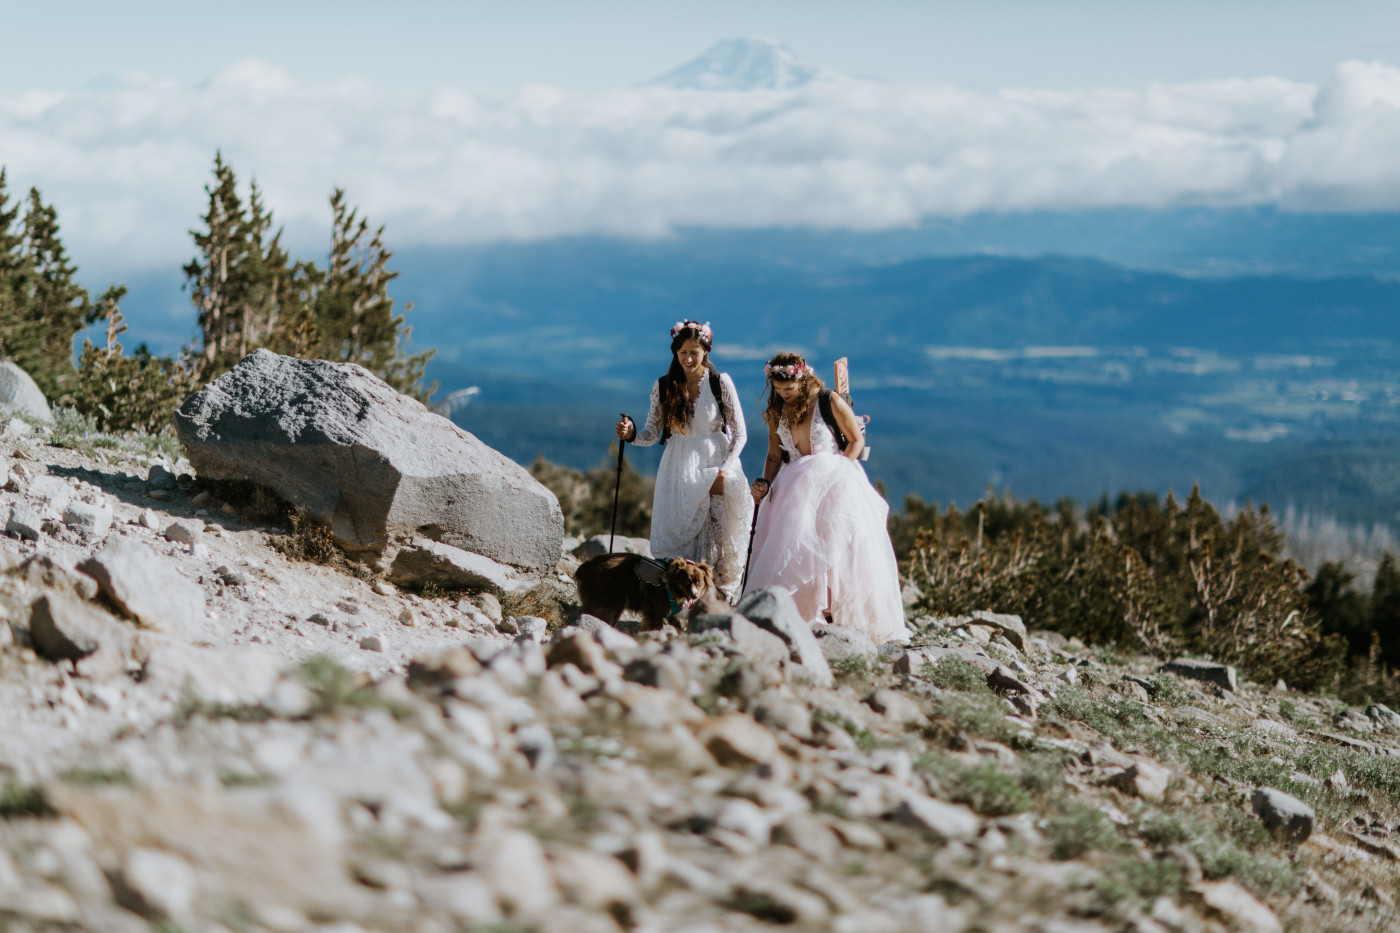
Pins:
x: 334, y: 686
x: 96, y: 776
x: 1379, y: 775
x: 865, y: 741
x: 1078, y: 829
x: 242, y: 779
x: 850, y: 666
x: 1228, y: 842
x: 952, y: 673
x: 72, y: 429
x: 17, y: 800
x: 983, y: 787
x: 1168, y: 691
x: 541, y: 601
x: 1140, y: 880
x: 1287, y: 709
x: 310, y: 541
x: 979, y: 715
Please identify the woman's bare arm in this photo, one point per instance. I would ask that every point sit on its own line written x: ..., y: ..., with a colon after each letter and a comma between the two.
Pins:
x: 771, y: 465
x: 850, y: 426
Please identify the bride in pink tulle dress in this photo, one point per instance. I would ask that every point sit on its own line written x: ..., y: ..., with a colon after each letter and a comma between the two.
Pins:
x: 821, y: 526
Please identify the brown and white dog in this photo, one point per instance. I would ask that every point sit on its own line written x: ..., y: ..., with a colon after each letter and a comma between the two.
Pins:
x: 611, y: 584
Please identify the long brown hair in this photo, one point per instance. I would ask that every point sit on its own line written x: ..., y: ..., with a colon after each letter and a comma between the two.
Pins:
x: 677, y: 407
x: 777, y: 411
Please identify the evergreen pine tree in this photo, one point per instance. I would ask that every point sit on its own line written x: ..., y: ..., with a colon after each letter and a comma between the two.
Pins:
x: 1385, y: 608
x: 42, y: 306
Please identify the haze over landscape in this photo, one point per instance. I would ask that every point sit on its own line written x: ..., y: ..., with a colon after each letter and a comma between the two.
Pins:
x: 1062, y: 282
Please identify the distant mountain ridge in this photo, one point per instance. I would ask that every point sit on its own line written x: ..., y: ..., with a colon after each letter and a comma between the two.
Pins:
x: 748, y: 64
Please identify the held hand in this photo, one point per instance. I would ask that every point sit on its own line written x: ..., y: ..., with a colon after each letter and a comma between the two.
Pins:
x: 759, y: 489
x: 717, y: 487
x: 625, y: 429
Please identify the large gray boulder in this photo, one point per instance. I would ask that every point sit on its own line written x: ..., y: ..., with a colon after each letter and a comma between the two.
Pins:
x: 372, y: 464
x: 20, y: 396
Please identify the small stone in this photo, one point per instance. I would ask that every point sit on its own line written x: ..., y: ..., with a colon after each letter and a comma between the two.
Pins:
x: 160, y: 477
x: 532, y: 628
x: 148, y: 519
x: 1336, y: 781
x: 737, y: 740
x: 898, y: 707
x: 64, y: 627
x: 384, y: 588
x: 520, y: 875
x: 231, y: 576
x: 1287, y: 817
x: 24, y: 522
x: 146, y: 588
x: 596, y: 881
x: 1145, y: 779
x: 406, y: 617
x: 227, y: 509
x: 160, y: 495
x: 1237, y: 906
x: 489, y: 605
x: 157, y: 885
x: 1222, y: 675
x: 373, y: 643
x: 1384, y: 717
x: 91, y: 520
x: 942, y: 821
x: 319, y: 618
x: 184, y: 532
x: 202, y: 498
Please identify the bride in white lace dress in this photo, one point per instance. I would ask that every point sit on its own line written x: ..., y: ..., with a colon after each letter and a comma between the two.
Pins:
x: 821, y: 532
x: 701, y: 507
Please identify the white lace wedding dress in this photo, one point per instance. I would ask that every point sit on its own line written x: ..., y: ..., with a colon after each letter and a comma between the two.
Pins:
x: 686, y: 521
x: 821, y: 535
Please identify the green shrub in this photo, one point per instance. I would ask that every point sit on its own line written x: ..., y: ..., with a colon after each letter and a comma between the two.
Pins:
x: 953, y: 673
x: 1079, y: 829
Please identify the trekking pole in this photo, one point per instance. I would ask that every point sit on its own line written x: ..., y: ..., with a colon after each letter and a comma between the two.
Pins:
x: 617, y: 488
x: 753, y: 526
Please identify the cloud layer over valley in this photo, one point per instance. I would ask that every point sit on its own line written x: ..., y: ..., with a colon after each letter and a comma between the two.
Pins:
x: 125, y: 161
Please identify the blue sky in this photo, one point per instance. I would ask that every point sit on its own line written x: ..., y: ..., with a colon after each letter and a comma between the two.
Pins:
x: 588, y: 46
x: 469, y: 122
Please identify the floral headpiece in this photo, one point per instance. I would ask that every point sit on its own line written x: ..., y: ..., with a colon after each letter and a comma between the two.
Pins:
x: 703, y: 330
x: 788, y: 373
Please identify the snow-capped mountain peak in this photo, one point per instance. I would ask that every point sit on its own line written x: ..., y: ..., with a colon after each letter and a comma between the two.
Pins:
x: 743, y: 65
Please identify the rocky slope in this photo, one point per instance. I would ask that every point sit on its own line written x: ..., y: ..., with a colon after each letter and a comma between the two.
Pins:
x: 200, y: 733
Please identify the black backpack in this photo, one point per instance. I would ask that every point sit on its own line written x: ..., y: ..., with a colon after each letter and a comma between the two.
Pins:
x: 829, y: 416
x: 717, y: 390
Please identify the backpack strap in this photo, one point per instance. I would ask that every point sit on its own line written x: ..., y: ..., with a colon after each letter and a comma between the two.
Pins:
x: 717, y: 390
x: 829, y: 416
x: 665, y: 427
x: 649, y: 571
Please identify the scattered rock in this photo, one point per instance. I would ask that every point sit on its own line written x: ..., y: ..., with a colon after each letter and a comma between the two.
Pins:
x: 1222, y: 675
x: 373, y: 643
x: 184, y: 532
x: 24, y: 522
x: 1145, y: 779
x: 1237, y: 907
x: 423, y: 561
x: 370, y: 463
x: 65, y: 628
x: 942, y: 821
x: 772, y: 609
x: 160, y: 478
x: 1287, y: 817
x: 20, y: 396
x: 840, y: 641
x: 157, y: 885
x: 89, y: 519
x: 1384, y: 717
x: 146, y: 588
x: 735, y: 739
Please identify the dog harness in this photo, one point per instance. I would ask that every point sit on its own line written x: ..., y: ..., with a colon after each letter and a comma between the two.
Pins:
x: 649, y: 571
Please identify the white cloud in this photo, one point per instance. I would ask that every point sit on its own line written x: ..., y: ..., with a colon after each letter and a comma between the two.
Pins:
x: 126, y: 160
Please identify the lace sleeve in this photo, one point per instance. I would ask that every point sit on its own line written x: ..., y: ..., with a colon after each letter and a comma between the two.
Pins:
x: 739, y: 432
x: 651, y: 433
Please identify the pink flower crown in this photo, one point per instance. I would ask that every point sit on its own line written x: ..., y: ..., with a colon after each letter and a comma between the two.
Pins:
x: 703, y: 330
x: 786, y: 373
